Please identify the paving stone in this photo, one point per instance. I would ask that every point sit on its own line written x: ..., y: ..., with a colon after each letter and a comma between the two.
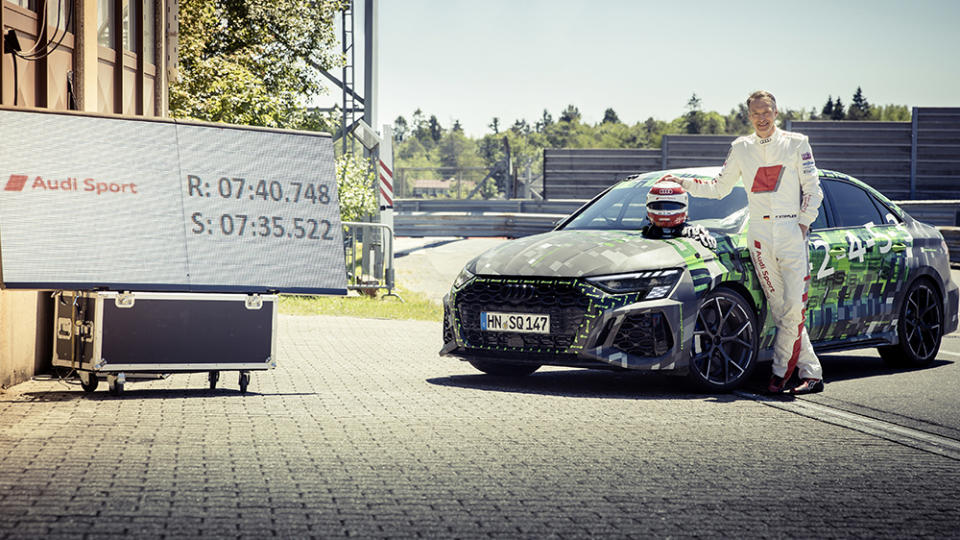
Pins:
x: 364, y: 431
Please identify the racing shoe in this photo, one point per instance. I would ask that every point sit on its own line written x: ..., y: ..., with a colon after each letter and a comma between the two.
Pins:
x: 808, y: 386
x: 776, y: 384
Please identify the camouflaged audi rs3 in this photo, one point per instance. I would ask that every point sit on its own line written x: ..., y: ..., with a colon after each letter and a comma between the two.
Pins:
x: 594, y: 293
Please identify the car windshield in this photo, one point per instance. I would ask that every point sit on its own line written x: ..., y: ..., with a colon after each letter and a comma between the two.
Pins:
x: 624, y: 207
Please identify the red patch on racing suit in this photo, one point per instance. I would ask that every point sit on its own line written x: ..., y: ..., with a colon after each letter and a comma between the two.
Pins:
x: 767, y: 179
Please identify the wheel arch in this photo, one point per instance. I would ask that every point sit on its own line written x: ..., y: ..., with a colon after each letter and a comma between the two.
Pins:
x: 759, y: 309
x: 922, y: 273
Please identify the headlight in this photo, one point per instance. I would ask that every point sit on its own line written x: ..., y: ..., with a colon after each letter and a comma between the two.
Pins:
x: 462, y: 279
x: 653, y: 284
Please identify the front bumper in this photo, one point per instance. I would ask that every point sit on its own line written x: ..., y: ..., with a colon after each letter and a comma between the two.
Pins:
x: 589, y: 328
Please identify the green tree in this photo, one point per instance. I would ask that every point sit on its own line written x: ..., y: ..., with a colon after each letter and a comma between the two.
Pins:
x: 738, y: 121
x: 891, y: 113
x: 494, y: 125
x: 570, y: 114
x: 859, y: 108
x: 264, y: 71
x: 827, y: 112
x: 610, y: 116
x: 521, y: 127
x: 354, y: 178
x: 436, y: 130
x: 457, y: 150
x: 546, y: 119
x: 694, y: 115
x: 400, y: 128
x: 837, y: 113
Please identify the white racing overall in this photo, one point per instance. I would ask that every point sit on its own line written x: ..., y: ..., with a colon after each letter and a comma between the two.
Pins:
x: 783, y: 192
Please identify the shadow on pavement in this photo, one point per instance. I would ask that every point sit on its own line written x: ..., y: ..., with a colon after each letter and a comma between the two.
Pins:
x: 846, y: 367
x: 584, y: 383
x: 133, y: 393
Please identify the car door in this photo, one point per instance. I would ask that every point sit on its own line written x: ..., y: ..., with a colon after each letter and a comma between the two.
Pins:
x: 858, y: 264
x: 824, y: 277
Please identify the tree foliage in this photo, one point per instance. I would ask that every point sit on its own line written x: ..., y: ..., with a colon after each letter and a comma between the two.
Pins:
x: 253, y: 62
x: 860, y: 108
x: 354, y: 181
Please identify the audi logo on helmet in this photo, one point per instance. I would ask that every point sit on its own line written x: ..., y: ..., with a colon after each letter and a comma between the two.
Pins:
x: 667, y: 204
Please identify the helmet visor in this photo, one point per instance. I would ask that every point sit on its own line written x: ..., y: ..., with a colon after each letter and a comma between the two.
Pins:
x: 665, y: 205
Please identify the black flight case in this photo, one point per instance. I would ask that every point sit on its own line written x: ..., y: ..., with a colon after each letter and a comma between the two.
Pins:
x: 121, y: 336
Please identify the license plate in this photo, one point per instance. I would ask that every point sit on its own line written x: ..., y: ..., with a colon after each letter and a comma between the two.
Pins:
x: 514, y: 322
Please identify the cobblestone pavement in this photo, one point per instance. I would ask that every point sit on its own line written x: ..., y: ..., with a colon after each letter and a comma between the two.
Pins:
x: 363, y: 431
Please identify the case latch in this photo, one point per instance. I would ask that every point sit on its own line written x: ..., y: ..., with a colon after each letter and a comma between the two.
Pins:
x: 253, y: 301
x: 124, y: 300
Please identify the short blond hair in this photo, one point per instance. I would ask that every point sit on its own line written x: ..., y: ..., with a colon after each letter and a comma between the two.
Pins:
x: 762, y: 94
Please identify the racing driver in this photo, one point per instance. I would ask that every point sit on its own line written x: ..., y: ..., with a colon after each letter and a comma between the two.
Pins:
x: 783, y: 194
x: 667, y: 210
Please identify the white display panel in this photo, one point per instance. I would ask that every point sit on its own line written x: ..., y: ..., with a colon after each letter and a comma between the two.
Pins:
x: 95, y: 202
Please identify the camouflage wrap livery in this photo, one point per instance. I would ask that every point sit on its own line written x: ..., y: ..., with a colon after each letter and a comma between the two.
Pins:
x: 615, y: 299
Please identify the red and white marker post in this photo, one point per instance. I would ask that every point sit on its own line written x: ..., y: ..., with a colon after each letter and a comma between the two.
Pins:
x: 385, y: 175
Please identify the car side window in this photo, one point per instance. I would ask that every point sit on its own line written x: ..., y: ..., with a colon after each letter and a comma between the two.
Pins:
x: 852, y: 206
x: 821, y: 221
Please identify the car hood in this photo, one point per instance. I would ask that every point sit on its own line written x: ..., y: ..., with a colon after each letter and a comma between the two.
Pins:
x: 579, y: 253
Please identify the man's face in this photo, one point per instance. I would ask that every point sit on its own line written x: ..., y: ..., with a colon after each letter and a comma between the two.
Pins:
x: 762, y: 115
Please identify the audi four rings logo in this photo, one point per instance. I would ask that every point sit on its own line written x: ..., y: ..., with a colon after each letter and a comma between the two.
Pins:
x: 519, y: 293
x: 18, y: 182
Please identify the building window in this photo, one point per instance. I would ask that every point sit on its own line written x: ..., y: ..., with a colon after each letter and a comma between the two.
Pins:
x: 26, y: 4
x: 131, y: 25
x: 58, y: 12
x: 106, y: 21
x: 149, y: 42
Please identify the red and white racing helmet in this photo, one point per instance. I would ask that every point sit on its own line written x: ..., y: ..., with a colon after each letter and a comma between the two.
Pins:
x: 667, y: 204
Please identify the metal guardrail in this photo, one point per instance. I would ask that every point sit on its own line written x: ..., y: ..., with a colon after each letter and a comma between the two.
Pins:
x: 373, y: 268
x: 486, y: 218
x: 952, y: 236
x: 523, y: 206
x: 939, y: 213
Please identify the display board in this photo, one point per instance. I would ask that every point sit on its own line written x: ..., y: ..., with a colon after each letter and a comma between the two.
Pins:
x: 94, y: 202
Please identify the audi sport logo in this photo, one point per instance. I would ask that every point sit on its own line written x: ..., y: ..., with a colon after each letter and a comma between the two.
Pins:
x: 20, y: 182
x: 16, y: 182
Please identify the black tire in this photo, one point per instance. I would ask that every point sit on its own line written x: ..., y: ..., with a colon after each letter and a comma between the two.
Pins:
x: 504, y: 369
x: 244, y: 381
x: 213, y: 377
x: 919, y: 328
x: 724, y: 350
x: 90, y: 385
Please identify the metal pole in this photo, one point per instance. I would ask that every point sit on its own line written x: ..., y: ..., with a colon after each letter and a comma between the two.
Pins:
x: 915, y: 124
x: 371, y: 61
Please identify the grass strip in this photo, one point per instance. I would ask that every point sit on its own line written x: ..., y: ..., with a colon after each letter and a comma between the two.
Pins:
x: 415, y: 306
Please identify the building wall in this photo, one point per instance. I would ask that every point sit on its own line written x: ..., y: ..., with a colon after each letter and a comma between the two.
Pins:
x: 118, y: 65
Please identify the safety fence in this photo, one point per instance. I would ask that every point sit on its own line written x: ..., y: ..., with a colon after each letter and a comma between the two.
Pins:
x: 914, y: 160
x: 369, y: 255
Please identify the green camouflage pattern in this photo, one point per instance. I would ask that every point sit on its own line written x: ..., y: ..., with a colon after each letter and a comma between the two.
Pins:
x: 857, y: 279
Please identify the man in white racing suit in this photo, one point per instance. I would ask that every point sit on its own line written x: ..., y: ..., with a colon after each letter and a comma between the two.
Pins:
x: 783, y: 194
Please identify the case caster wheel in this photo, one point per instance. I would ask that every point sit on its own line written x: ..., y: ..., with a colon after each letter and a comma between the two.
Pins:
x: 244, y: 381
x: 213, y: 377
x: 88, y: 381
x: 116, y: 383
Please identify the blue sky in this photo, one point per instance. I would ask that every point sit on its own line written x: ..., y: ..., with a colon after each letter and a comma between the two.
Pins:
x: 473, y: 60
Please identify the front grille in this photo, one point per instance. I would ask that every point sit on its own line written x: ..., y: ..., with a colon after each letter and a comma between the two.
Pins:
x: 561, y: 299
x: 644, y: 334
